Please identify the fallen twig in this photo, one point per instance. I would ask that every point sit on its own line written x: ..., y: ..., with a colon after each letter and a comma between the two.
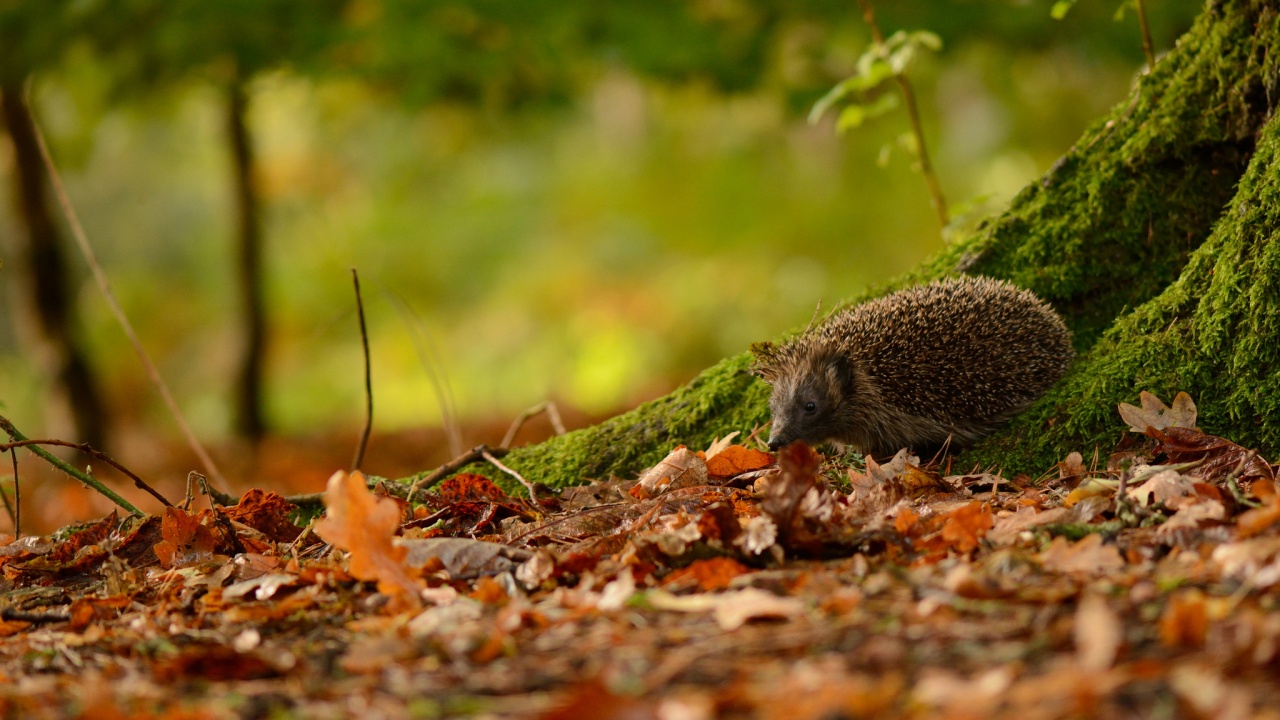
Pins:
x: 494, y: 461
x: 100, y: 276
x: 97, y: 455
x: 368, y: 381
x: 20, y: 440
x: 553, y: 414
x: 475, y: 454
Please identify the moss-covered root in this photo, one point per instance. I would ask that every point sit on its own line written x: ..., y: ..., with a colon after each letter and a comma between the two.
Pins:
x: 1215, y: 332
x: 721, y: 400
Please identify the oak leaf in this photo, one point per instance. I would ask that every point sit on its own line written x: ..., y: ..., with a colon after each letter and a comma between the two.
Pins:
x: 1155, y: 415
x: 735, y: 460
x: 186, y: 542
x: 964, y: 527
x: 365, y: 526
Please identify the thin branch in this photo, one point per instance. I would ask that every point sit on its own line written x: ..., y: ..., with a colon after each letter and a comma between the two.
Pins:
x: 82, y: 240
x: 548, y: 407
x: 368, y: 378
x: 225, y: 499
x: 57, y: 462
x: 1147, y: 45
x: 14, y: 514
x: 494, y: 461
x: 98, y: 455
x: 913, y: 114
x: 475, y: 454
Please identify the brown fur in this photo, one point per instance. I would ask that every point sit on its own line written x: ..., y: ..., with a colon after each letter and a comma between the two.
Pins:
x: 951, y: 359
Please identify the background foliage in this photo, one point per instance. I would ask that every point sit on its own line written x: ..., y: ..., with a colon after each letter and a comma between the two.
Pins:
x: 583, y: 201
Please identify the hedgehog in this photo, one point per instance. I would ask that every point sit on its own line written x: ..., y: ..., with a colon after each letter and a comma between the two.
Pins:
x: 927, y: 367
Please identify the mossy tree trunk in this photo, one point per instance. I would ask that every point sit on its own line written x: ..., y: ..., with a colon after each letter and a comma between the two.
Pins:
x: 1157, y: 237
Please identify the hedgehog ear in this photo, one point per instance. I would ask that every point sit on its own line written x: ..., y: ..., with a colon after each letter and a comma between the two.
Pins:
x: 766, y: 361
x: 840, y: 373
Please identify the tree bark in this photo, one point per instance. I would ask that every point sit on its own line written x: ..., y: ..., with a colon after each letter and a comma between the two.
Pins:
x: 48, y: 286
x: 249, y: 420
x: 1158, y: 239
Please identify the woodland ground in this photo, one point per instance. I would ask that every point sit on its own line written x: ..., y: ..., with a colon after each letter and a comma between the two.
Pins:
x: 724, y: 583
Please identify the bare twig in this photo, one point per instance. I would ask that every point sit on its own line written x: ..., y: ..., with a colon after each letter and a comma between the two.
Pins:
x: 1147, y: 45
x: 368, y: 380
x: 1233, y: 483
x: 475, y: 454
x: 77, y: 231
x: 913, y: 113
x: 98, y: 455
x: 494, y: 461
x: 22, y: 441
x: 434, y: 367
x: 15, y: 513
x: 212, y: 493
x: 553, y: 414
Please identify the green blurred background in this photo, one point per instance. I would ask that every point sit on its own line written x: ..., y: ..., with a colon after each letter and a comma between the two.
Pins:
x: 586, y: 202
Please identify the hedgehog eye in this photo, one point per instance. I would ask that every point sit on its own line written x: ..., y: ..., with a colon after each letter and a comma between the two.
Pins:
x: 810, y: 406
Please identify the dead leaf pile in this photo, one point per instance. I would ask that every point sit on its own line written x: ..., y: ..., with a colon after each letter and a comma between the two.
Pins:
x: 725, y: 583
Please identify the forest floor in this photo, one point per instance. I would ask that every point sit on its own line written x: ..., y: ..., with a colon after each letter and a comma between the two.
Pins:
x: 724, y: 583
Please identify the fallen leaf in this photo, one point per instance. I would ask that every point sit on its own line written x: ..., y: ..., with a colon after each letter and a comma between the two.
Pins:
x: 735, y: 460
x: 266, y: 512
x: 186, y: 542
x: 680, y: 468
x: 1089, y: 556
x: 464, y: 558
x: 1098, y: 633
x: 706, y: 575
x: 1185, y: 621
x: 1155, y: 415
x: 364, y: 526
x: 1219, y: 457
x: 963, y: 527
x: 1164, y: 487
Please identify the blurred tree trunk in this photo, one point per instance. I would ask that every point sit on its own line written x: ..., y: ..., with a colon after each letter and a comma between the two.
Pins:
x: 1157, y: 237
x: 50, y: 293
x: 249, y: 421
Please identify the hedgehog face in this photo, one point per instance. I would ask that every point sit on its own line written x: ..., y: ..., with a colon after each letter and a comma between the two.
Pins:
x: 811, y: 400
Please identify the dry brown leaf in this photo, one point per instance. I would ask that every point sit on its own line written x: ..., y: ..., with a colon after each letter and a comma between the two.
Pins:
x: 680, y: 468
x: 963, y: 527
x: 1072, y: 466
x: 1155, y: 415
x: 1257, y: 520
x: 1219, y: 457
x: 1089, y: 556
x: 1165, y: 487
x: 1098, y: 633
x: 735, y: 460
x: 1185, y: 620
x: 365, y: 526
x: 186, y: 542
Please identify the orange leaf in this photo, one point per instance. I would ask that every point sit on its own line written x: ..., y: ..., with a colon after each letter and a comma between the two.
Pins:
x: 965, y: 526
x: 905, y: 521
x: 710, y: 574
x: 1185, y: 620
x: 364, y: 526
x: 737, y: 459
x: 266, y: 512
x: 1256, y: 520
x: 186, y: 542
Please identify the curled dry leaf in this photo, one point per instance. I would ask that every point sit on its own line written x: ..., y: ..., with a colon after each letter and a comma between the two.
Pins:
x: 1167, y: 487
x: 365, y: 526
x: 735, y: 460
x: 186, y: 542
x: 1218, y: 457
x: 680, y: 468
x: 1098, y: 633
x: 963, y: 527
x: 1087, y: 557
x: 1155, y: 415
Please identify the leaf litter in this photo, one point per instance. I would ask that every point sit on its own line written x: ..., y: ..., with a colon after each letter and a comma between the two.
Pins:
x: 726, y: 583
